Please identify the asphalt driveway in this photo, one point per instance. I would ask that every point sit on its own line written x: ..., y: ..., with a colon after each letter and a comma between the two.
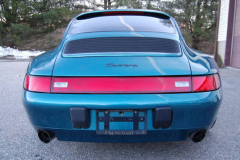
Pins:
x: 18, y: 140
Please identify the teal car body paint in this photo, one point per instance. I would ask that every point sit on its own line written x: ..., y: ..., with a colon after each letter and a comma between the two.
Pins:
x: 116, y: 78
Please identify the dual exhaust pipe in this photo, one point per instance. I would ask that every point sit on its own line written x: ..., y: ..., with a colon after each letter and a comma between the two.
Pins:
x: 47, y: 136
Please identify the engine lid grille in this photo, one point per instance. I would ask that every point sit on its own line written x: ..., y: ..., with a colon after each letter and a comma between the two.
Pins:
x: 122, y: 44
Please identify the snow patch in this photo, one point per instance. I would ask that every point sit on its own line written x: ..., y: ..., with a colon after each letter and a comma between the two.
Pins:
x: 18, y: 54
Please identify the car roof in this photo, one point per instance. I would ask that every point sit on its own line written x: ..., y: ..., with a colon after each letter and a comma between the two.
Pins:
x: 97, y: 13
x: 92, y: 13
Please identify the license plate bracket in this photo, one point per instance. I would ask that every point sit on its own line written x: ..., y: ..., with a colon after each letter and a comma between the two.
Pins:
x: 106, y: 118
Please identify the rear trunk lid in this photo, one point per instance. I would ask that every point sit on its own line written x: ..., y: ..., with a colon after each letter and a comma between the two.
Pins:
x: 122, y: 54
x: 122, y: 66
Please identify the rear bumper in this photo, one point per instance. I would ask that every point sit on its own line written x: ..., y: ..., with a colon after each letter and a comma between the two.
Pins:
x: 152, y: 136
x: 191, y: 112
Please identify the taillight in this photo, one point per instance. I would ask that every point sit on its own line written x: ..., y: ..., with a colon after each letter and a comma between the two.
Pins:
x: 121, y: 84
x: 37, y: 84
x: 113, y: 85
x: 26, y: 82
x: 205, y: 83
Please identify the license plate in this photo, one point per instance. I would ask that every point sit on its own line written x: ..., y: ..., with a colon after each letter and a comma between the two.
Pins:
x: 121, y: 122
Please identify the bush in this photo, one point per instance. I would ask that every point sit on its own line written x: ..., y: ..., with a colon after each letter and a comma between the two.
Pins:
x: 13, y: 34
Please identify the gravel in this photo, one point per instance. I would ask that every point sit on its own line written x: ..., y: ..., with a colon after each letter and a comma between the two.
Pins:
x: 18, y: 140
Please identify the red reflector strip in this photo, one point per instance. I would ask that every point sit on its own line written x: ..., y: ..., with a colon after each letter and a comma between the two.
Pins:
x: 206, y: 83
x: 37, y: 84
x: 121, y: 84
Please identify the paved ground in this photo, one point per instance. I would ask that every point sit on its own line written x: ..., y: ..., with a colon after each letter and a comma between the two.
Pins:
x: 18, y: 140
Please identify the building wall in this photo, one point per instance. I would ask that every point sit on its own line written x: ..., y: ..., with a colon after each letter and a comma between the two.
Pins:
x: 222, y: 30
x: 235, y: 58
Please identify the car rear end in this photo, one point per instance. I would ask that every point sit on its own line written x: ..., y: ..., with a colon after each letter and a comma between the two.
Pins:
x: 120, y: 76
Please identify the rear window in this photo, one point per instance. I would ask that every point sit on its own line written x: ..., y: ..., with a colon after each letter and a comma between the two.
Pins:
x: 128, y: 23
